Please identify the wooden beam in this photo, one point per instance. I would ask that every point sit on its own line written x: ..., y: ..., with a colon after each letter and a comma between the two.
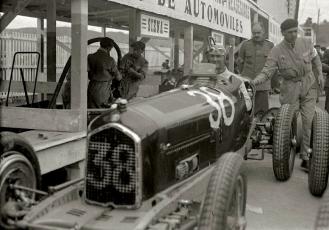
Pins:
x: 176, y: 48
x: 204, y: 45
x: 160, y: 51
x: 40, y: 42
x: 79, y: 33
x: 132, y: 26
x: 64, y: 46
x: 41, y: 119
x: 188, y: 49
x: 17, y: 86
x: 231, y: 54
x: 12, y: 13
x: 51, y: 40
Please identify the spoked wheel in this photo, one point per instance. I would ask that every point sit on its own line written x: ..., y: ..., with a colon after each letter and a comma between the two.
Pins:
x: 15, y: 169
x: 225, y: 201
x: 284, y: 142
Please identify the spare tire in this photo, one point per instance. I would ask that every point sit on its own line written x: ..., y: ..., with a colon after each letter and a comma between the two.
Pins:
x: 284, y: 148
x: 224, y: 205
x: 319, y: 160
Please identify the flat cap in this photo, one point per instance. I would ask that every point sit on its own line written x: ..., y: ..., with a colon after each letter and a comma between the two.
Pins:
x: 288, y: 24
x: 138, y: 44
x: 106, y: 42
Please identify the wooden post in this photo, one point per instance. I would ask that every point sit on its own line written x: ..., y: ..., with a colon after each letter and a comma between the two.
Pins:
x: 231, y: 54
x: 176, y: 48
x: 133, y: 26
x: 79, y: 15
x: 188, y: 49
x: 51, y: 41
x: 104, y: 31
x: 40, y: 42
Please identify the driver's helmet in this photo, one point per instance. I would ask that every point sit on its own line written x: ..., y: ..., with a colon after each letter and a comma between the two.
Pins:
x: 216, y: 50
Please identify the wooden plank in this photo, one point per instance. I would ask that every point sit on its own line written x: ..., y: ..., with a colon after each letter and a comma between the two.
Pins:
x: 51, y: 40
x: 160, y: 51
x: 41, y: 119
x: 17, y: 86
x: 79, y: 29
x: 176, y: 48
x: 133, y: 25
x: 10, y: 15
x: 231, y: 54
x: 56, y: 150
x: 188, y: 49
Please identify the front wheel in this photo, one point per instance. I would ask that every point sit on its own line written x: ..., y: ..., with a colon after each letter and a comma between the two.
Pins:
x: 284, y: 142
x: 225, y: 201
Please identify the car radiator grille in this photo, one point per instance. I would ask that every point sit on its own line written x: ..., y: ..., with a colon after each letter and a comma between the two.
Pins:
x: 111, y: 174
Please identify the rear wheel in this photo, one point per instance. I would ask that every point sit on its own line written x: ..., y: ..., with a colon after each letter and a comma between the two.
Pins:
x: 284, y: 142
x: 319, y: 160
x: 225, y: 201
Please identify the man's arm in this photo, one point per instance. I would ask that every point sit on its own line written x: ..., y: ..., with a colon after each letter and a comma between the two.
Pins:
x: 270, y: 68
x: 316, y: 62
x: 241, y: 57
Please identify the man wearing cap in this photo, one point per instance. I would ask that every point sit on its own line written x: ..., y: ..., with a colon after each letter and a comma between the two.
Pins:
x: 251, y: 60
x: 101, y: 71
x: 133, y: 67
x: 293, y: 58
x: 216, y: 55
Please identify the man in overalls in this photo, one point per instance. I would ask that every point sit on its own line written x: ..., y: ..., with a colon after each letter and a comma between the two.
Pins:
x: 134, y: 68
x: 293, y: 58
x: 102, y: 69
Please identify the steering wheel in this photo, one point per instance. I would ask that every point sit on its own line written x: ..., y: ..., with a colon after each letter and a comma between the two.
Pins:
x: 68, y: 66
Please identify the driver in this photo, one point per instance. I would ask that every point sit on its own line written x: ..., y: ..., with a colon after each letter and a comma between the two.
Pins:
x: 216, y: 55
x: 101, y: 71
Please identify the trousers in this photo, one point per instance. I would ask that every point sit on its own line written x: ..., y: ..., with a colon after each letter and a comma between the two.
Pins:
x: 261, y: 101
x: 303, y: 98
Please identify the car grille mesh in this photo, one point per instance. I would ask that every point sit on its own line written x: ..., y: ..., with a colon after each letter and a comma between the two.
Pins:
x: 111, y: 169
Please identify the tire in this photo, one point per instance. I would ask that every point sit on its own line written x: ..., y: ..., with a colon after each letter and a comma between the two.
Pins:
x: 224, y: 205
x: 284, y: 151
x: 322, y: 218
x: 18, y: 165
x: 319, y: 160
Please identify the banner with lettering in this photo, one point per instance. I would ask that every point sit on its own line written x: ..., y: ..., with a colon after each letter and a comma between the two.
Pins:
x: 229, y: 16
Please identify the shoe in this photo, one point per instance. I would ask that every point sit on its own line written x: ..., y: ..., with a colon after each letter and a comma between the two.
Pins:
x: 305, y: 165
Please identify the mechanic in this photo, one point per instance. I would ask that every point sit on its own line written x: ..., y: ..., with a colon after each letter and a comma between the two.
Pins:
x: 101, y: 71
x: 133, y: 67
x: 293, y: 58
x: 216, y: 55
x: 251, y: 60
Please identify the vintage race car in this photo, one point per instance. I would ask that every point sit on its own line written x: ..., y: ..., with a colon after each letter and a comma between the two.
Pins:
x: 151, y: 164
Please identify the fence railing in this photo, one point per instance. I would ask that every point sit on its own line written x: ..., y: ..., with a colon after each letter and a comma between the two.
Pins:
x: 11, y: 42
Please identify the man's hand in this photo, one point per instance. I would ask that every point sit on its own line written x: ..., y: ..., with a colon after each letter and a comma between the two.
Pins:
x: 321, y: 82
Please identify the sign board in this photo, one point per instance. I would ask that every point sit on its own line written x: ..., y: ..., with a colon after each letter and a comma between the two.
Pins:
x: 218, y: 37
x: 229, y: 16
x: 154, y: 26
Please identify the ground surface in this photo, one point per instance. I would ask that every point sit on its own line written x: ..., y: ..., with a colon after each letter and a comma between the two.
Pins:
x: 279, y: 205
